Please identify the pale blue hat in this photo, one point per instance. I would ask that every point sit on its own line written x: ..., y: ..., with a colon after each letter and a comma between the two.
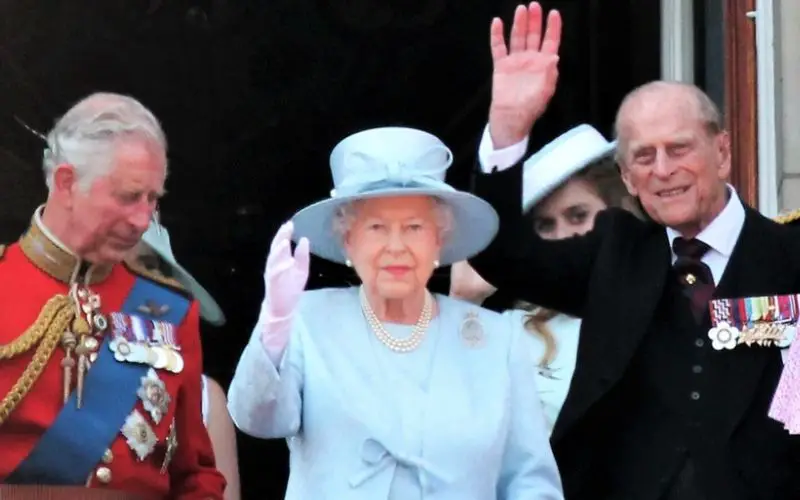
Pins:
x: 560, y: 159
x: 396, y: 161
x: 157, y: 238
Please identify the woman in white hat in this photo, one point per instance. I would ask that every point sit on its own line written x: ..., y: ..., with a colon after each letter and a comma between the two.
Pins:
x: 155, y: 251
x: 565, y: 185
x: 386, y: 391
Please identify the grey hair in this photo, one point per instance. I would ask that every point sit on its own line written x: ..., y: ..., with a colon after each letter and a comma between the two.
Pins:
x: 708, y: 112
x: 346, y: 214
x: 86, y: 135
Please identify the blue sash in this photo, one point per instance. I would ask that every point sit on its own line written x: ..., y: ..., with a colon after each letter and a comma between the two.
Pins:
x: 71, y: 448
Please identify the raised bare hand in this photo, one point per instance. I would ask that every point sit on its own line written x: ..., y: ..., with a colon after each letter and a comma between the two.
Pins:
x: 525, y: 72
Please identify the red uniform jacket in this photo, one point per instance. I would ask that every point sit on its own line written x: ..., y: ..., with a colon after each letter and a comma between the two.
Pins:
x: 191, y: 474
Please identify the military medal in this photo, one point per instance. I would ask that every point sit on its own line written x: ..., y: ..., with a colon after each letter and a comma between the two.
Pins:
x: 160, y: 356
x: 125, y: 343
x: 127, y: 351
x: 723, y: 335
x: 165, y: 333
x: 763, y: 321
x: 175, y: 363
x: 140, y: 340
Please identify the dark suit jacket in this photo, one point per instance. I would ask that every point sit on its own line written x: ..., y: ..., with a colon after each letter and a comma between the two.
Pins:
x: 614, y: 277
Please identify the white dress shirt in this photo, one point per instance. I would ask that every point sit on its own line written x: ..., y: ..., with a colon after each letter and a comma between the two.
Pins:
x: 721, y: 235
x: 501, y: 159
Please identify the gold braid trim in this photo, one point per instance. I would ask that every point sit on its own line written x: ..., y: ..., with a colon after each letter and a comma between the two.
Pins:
x: 53, y: 321
x: 787, y: 217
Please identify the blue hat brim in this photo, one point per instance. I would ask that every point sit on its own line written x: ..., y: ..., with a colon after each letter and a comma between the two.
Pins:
x: 209, y: 308
x: 475, y: 223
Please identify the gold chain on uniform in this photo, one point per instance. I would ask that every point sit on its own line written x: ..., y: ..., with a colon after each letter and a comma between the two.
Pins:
x: 53, y: 321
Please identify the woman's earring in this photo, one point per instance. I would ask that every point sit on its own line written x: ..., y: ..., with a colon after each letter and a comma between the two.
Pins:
x: 436, y: 263
x: 348, y: 263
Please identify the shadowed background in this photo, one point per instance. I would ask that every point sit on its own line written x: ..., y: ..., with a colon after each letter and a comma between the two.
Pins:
x: 254, y: 94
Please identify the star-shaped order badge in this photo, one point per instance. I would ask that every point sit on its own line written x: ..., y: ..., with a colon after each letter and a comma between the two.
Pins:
x: 139, y: 435
x: 723, y: 336
x: 154, y: 396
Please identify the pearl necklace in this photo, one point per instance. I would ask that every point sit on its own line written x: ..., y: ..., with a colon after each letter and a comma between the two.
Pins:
x: 408, y: 344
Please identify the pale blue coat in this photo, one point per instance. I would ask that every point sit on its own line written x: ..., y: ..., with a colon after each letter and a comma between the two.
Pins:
x: 476, y: 433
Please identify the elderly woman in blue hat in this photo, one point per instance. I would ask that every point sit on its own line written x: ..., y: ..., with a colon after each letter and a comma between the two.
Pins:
x: 565, y: 185
x: 386, y: 391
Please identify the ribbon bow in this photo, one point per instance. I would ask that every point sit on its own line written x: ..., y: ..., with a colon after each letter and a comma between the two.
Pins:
x: 363, y: 171
x: 378, y: 457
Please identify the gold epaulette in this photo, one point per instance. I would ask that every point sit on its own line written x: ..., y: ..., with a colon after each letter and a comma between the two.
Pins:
x: 2, y: 250
x: 137, y: 267
x: 788, y: 217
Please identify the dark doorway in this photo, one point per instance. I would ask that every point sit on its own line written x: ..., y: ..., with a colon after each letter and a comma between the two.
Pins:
x: 254, y: 94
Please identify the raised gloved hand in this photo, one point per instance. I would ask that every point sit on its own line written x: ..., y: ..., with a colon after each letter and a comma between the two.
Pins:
x: 285, y: 278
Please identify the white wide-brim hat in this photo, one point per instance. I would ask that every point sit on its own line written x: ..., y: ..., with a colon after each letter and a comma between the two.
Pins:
x: 555, y: 163
x: 396, y: 161
x: 157, y: 238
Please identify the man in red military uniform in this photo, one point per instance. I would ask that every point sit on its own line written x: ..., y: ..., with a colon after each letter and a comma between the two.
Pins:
x: 100, y: 360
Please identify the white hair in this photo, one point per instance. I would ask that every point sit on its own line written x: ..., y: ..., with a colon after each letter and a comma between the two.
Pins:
x: 86, y: 135
x: 707, y: 112
x: 346, y: 214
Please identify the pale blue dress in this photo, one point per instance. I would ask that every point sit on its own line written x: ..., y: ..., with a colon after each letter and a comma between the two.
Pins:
x: 452, y: 420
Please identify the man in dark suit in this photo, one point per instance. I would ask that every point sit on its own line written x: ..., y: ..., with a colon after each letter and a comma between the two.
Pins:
x: 654, y: 411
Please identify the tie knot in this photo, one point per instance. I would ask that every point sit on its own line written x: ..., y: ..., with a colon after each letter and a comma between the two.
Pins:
x: 689, y: 249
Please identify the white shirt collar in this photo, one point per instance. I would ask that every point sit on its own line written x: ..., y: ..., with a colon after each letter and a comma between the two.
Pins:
x: 37, y: 217
x: 723, y: 232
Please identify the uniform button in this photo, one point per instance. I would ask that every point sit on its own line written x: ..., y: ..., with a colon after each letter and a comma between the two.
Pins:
x: 108, y: 457
x: 103, y: 475
x: 694, y: 395
x: 699, y: 342
x: 697, y: 369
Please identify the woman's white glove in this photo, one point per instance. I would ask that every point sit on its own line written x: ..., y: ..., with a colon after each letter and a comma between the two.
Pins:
x: 285, y: 278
